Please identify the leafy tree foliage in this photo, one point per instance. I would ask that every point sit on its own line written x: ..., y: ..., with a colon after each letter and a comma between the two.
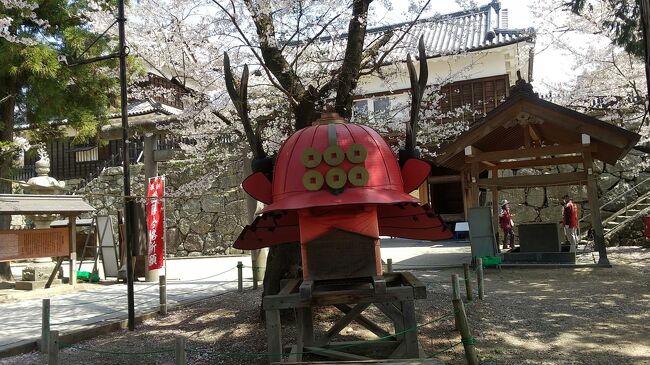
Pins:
x: 35, y: 87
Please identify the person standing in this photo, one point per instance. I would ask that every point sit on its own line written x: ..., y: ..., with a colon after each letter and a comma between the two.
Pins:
x: 570, y: 222
x: 505, y: 221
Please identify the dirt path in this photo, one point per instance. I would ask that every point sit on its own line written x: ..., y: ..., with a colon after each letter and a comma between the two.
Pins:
x: 529, y: 316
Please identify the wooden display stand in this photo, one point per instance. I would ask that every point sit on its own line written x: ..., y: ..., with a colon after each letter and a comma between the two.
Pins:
x: 395, y: 299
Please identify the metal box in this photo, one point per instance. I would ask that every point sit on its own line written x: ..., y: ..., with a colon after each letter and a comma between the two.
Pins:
x: 539, y: 237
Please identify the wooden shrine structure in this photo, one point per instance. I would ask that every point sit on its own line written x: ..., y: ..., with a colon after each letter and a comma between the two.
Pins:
x: 526, y: 131
x: 49, y: 242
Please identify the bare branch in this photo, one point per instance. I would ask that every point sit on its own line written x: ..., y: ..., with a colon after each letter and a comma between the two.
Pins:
x: 263, y: 61
x: 380, y: 61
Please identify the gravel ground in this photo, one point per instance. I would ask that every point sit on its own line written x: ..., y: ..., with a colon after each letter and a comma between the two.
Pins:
x: 529, y: 316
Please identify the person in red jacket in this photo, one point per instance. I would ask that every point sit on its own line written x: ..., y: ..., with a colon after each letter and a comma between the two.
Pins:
x: 570, y: 222
x: 505, y: 221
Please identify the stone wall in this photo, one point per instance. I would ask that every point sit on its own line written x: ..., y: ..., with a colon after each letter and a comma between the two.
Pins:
x: 545, y: 204
x: 205, y: 208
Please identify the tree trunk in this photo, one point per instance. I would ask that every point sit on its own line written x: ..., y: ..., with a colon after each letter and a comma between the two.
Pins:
x: 283, y: 262
x: 6, y: 135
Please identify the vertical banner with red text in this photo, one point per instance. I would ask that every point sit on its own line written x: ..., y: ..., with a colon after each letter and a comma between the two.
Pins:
x: 156, y: 222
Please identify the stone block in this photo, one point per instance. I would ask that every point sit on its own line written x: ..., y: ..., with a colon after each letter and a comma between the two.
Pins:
x: 192, y: 206
x: 524, y: 214
x: 554, y: 194
x: 32, y: 285
x: 606, y: 181
x: 213, y: 204
x: 535, y: 197
x: 566, y: 168
x: 643, y: 186
x: 184, y: 226
x: 193, y: 242
x: 201, y: 226
x: 514, y: 196
x: 174, y: 239
x: 551, y: 214
x: 38, y: 271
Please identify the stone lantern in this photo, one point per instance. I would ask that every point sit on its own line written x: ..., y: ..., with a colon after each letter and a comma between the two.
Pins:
x: 43, y: 184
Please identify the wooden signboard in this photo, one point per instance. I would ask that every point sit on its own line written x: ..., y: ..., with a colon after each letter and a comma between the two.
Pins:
x: 34, y: 243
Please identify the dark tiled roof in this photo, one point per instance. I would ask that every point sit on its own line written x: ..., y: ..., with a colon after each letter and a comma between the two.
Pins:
x: 444, y: 34
x: 464, y: 31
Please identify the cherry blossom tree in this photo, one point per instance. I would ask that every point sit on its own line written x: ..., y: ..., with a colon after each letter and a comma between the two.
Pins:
x: 300, y: 56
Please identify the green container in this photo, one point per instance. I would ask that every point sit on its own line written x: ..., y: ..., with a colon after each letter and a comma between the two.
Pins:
x: 491, y: 261
x: 87, y: 276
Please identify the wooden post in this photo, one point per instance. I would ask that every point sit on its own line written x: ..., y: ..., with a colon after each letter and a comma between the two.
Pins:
x: 495, y: 210
x: 73, y: 249
x: 53, y: 348
x: 255, y: 276
x: 474, y: 172
x: 240, y: 278
x: 468, y: 282
x: 410, y: 326
x: 179, y: 350
x: 274, y: 335
x: 45, y: 326
x: 455, y: 294
x: 150, y: 170
x: 389, y: 265
x: 479, y: 277
x: 594, y: 204
x: 465, y: 333
x: 162, y: 291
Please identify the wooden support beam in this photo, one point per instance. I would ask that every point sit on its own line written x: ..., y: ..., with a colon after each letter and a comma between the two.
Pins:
x: 495, y: 205
x: 594, y: 202
x: 526, y: 181
x: 344, y: 321
x: 474, y: 191
x: 365, y: 322
x: 444, y: 179
x: 72, y: 219
x: 526, y: 135
x: 339, y: 355
x: 539, y: 162
x: 535, y: 134
x: 472, y: 151
x: 576, y: 148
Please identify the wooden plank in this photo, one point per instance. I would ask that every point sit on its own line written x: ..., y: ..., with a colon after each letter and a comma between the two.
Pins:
x: 445, y: 179
x: 575, y: 148
x: 333, y: 354
x: 574, y: 178
x: 295, y: 353
x: 59, y: 261
x: 337, y: 297
x: 344, y: 321
x: 365, y: 322
x: 365, y: 362
x: 410, y: 326
x: 419, y: 289
x: 399, y: 352
x: 274, y: 335
x: 539, y: 162
x: 289, y: 286
x: 306, y: 288
x: 392, y: 312
x: 379, y: 284
x: 305, y: 327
